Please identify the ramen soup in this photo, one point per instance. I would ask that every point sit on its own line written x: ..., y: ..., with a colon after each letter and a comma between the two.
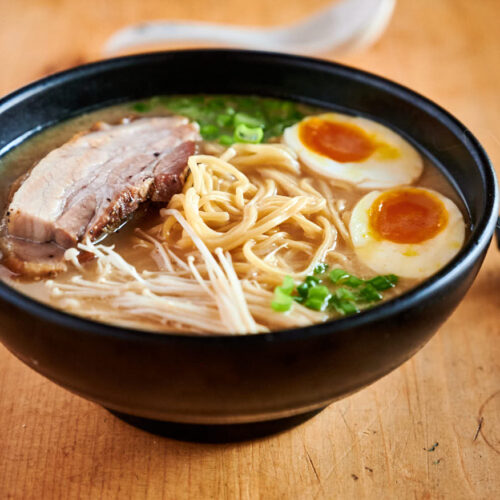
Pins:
x: 222, y: 215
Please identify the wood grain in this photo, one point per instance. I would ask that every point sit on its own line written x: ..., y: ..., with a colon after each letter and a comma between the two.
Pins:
x: 375, y: 444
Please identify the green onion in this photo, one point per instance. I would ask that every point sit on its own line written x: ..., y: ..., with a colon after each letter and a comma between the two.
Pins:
x: 282, y: 301
x: 318, y: 292
x: 216, y: 104
x: 270, y: 106
x: 344, y: 293
x: 226, y: 140
x: 275, y: 130
x: 352, y: 281
x: 287, y: 108
x: 302, y: 292
x: 311, y: 281
x: 384, y: 282
x: 249, y: 121
x: 224, y: 120
x: 348, y: 307
x: 142, y: 107
x: 288, y: 285
x: 251, y: 135
x: 344, y: 307
x: 317, y: 297
x: 338, y: 274
x: 209, y: 132
x: 392, y: 278
x: 369, y: 294
x: 342, y: 298
x: 316, y: 304
x: 264, y: 117
x: 321, y: 268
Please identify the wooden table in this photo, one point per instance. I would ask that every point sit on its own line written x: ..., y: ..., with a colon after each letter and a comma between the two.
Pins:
x: 428, y: 430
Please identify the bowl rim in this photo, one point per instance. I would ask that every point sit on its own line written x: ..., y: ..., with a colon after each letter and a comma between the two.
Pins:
x: 468, y: 254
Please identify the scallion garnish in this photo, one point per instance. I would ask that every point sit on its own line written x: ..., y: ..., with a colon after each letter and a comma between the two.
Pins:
x: 311, y: 280
x: 316, y: 304
x: 382, y: 283
x: 249, y: 121
x: 320, y: 268
x: 224, y: 120
x: 317, y: 297
x: 302, y: 292
x: 226, y: 140
x: 344, y: 307
x: 343, y: 292
x: 352, y: 281
x: 251, y: 135
x: 318, y: 292
x: 264, y: 117
x: 209, y: 131
x: 338, y: 274
x: 288, y: 285
x: 142, y: 107
x: 369, y: 294
x: 282, y: 301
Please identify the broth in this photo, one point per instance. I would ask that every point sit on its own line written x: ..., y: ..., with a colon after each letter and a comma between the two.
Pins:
x: 137, y: 250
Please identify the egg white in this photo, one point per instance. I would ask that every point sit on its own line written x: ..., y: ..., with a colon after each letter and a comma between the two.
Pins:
x: 395, y: 162
x: 408, y: 260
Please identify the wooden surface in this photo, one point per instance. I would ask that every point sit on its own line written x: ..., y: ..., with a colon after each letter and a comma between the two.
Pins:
x: 375, y: 444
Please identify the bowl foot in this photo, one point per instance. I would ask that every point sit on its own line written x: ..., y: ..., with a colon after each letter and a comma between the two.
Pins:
x: 215, y: 433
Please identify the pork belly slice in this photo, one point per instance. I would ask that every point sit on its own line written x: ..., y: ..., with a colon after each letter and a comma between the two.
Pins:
x: 91, y: 184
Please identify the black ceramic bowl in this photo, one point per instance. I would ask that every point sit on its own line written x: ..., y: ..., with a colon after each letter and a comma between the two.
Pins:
x: 221, y: 380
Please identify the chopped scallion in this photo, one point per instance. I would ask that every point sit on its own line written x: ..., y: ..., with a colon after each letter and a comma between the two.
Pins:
x: 142, y: 107
x: 312, y: 281
x: 282, y: 301
x: 316, y: 304
x: 338, y: 274
x: 369, y: 294
x: 265, y: 117
x: 318, y: 292
x: 352, y: 281
x: 251, y: 135
x: 381, y: 283
x: 302, y: 291
x: 344, y: 293
x: 226, y: 140
x: 321, y: 268
x: 224, y: 120
x: 249, y: 121
x: 317, y: 297
x: 288, y: 285
x: 344, y: 307
x: 209, y: 131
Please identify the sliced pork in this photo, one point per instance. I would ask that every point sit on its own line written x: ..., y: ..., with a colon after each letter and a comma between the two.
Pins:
x: 90, y: 185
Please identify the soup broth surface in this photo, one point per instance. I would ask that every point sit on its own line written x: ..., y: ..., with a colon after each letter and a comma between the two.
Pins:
x: 132, y: 246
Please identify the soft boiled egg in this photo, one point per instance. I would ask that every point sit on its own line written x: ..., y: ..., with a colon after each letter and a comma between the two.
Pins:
x: 355, y: 150
x: 408, y: 231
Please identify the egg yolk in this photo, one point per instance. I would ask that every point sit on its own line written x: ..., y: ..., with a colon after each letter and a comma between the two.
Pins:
x: 341, y: 142
x: 408, y: 215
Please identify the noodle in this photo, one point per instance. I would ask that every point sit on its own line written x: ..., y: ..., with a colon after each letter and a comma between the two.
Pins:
x: 256, y: 211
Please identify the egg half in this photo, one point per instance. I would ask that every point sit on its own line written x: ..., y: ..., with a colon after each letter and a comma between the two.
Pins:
x: 408, y: 231
x: 356, y: 150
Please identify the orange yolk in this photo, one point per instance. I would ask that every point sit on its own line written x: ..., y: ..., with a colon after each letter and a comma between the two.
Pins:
x: 407, y: 215
x: 341, y: 142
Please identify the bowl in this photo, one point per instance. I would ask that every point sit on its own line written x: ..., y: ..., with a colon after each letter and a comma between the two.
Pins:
x: 280, y: 376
